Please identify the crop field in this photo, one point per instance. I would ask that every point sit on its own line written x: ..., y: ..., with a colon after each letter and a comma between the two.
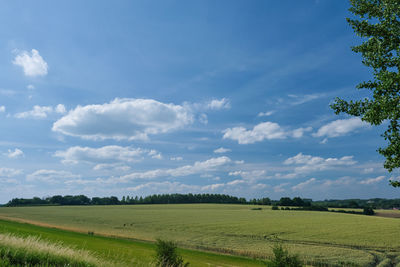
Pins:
x: 317, y: 237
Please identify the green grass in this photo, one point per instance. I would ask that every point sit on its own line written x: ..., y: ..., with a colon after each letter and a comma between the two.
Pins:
x: 122, y: 252
x: 33, y: 251
x: 332, y: 238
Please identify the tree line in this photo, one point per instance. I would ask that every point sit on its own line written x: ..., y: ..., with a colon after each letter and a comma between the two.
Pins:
x: 376, y: 203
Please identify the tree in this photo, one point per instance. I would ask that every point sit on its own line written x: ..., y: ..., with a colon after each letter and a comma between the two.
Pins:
x: 378, y: 22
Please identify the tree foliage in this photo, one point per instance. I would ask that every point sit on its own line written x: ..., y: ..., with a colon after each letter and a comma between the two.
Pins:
x: 378, y: 22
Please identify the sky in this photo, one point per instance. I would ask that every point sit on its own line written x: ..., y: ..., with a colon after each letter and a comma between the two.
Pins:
x: 150, y: 97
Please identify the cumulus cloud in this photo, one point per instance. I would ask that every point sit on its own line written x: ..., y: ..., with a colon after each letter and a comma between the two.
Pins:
x: 262, y: 131
x: 222, y: 150
x: 308, y: 163
x: 198, y: 167
x: 123, y: 119
x: 9, y: 172
x: 60, y: 108
x: 40, y: 112
x: 2, y: 109
x: 105, y: 154
x: 32, y: 63
x: 17, y: 153
x: 340, y: 127
x: 303, y: 185
x: 176, y: 158
x: 216, y: 104
x: 50, y: 176
x: 372, y: 180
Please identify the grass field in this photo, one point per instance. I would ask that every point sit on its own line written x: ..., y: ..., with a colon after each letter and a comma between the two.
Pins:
x: 120, y: 252
x: 318, y: 237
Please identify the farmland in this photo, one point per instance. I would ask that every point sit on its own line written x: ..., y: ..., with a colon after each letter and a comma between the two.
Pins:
x: 318, y: 237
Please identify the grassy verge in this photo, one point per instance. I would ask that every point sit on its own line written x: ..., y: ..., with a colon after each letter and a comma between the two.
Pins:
x: 122, y: 251
x: 34, y: 251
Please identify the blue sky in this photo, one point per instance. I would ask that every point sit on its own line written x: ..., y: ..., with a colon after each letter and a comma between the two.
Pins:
x: 145, y: 97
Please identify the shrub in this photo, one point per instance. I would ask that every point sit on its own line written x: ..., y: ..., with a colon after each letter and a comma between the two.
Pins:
x: 368, y: 211
x: 167, y: 255
x: 283, y: 259
x: 385, y: 263
x: 275, y: 207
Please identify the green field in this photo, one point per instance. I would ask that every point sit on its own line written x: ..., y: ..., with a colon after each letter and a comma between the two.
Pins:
x: 318, y: 237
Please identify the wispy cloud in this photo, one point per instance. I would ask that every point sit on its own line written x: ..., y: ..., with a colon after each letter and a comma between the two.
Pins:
x: 266, y: 114
x: 222, y: 150
x: 105, y: 154
x: 50, y: 176
x: 209, y: 165
x: 370, y: 181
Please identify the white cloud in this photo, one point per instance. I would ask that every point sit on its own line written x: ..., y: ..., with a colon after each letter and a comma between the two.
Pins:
x: 30, y: 87
x: 266, y: 114
x: 198, y: 167
x: 105, y: 154
x: 2, y: 109
x: 155, y: 154
x: 303, y: 185
x: 164, y: 187
x: 280, y: 188
x: 40, y: 112
x: 250, y: 175
x: 301, y: 99
x: 15, y: 154
x: 123, y: 119
x: 114, y: 167
x: 309, y: 163
x: 222, y: 150
x: 216, y: 104
x: 60, y: 108
x: 263, y: 131
x: 368, y: 170
x: 32, y: 63
x: 340, y: 127
x: 372, y: 180
x: 340, y: 181
x: 298, y: 133
x: 203, y: 118
x: 176, y: 158
x: 9, y: 172
x: 50, y: 176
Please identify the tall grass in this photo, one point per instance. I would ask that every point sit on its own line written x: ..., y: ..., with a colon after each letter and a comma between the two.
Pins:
x: 33, y: 251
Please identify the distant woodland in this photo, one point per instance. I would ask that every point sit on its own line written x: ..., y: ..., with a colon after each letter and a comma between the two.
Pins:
x: 375, y: 203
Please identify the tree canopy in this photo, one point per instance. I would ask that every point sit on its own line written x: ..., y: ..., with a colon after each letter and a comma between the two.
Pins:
x: 377, y: 21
